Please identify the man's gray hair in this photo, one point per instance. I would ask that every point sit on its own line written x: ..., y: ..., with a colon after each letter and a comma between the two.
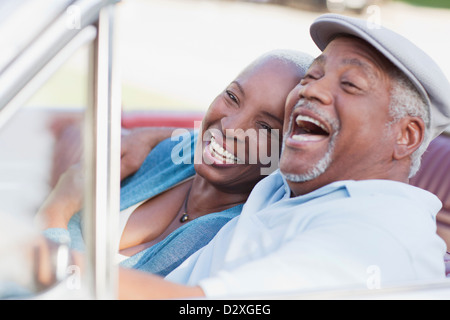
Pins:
x: 405, y: 100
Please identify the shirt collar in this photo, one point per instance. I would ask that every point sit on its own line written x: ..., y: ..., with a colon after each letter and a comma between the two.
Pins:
x: 327, y: 189
x: 352, y: 188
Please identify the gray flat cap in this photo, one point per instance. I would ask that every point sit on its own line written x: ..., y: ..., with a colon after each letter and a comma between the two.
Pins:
x: 423, y: 72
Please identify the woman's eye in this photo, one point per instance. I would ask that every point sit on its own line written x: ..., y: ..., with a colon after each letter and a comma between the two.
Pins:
x: 266, y: 126
x: 232, y: 96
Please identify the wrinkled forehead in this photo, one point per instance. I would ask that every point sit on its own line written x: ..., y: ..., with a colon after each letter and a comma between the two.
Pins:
x: 355, y: 51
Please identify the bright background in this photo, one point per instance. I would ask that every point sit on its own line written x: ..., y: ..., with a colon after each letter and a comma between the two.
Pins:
x: 179, y: 54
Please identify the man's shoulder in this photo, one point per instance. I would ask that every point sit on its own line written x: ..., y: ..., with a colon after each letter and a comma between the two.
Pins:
x: 391, y: 202
x: 378, y: 189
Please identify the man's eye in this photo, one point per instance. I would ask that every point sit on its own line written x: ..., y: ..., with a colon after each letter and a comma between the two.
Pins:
x: 350, y: 86
x: 308, y: 77
x: 311, y: 76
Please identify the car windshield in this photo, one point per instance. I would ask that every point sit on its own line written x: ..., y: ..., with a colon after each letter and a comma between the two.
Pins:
x: 176, y: 57
x: 19, y: 24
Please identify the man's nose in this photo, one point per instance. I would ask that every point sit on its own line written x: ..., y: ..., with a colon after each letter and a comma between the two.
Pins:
x: 318, y: 90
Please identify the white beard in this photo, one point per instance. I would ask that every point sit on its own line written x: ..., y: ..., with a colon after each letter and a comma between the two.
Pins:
x: 322, y: 165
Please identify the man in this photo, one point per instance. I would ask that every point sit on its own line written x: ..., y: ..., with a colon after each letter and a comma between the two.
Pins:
x: 339, y: 212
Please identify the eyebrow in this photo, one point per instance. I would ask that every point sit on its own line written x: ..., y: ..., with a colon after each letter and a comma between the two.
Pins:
x: 273, y: 117
x: 368, y: 70
x: 352, y: 61
x: 358, y: 63
x: 320, y: 60
x: 239, y: 87
x: 349, y: 62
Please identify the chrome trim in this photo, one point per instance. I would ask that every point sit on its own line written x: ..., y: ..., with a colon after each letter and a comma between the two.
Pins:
x: 102, y: 164
x: 23, y: 76
x: 26, y: 91
x: 42, y: 50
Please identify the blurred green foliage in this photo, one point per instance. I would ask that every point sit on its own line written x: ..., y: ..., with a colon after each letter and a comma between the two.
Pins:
x: 430, y: 3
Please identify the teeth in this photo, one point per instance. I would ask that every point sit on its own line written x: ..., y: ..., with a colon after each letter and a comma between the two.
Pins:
x: 301, y: 118
x: 216, y: 148
x: 306, y: 137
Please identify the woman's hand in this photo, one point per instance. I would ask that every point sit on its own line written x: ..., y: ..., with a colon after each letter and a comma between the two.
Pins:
x: 64, y: 201
x: 137, y: 144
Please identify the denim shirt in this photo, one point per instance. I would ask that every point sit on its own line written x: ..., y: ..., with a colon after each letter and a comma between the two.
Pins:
x: 169, y: 163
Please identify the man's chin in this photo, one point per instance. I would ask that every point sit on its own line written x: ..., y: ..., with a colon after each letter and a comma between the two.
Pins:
x: 296, y: 175
x: 299, y: 174
x: 301, y: 184
x: 296, y: 169
x: 298, y: 178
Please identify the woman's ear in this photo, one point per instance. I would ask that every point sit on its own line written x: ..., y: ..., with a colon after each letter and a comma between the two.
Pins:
x: 410, y: 135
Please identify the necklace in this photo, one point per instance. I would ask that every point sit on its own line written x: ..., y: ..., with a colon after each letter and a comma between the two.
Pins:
x: 185, y: 215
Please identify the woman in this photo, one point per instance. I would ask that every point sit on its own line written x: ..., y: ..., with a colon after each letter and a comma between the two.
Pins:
x: 169, y: 210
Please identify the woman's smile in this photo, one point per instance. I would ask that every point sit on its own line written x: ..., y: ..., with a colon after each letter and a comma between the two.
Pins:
x: 215, y: 154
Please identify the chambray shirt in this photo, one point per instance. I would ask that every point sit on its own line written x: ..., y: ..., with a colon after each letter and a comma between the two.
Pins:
x: 350, y: 233
x: 169, y: 163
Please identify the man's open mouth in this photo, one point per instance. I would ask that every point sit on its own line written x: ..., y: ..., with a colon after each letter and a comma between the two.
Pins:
x: 306, y: 128
x: 220, y: 153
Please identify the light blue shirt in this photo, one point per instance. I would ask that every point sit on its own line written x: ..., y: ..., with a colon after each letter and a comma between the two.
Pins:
x: 349, y: 233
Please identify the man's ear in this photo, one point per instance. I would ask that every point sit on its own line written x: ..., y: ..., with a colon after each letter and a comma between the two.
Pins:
x: 410, y: 135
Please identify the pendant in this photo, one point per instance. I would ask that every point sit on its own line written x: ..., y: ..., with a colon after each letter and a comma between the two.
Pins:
x: 184, y: 217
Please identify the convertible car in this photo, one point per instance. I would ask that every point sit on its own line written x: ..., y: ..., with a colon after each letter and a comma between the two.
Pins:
x: 37, y: 146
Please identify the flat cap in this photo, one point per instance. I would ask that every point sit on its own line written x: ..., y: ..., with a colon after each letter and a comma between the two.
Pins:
x: 420, y: 68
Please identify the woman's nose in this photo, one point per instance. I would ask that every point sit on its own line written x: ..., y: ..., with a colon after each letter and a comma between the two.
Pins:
x: 236, y: 126
x: 234, y: 121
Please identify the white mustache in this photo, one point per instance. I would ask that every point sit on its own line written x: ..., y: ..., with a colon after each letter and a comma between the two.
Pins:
x: 308, y: 105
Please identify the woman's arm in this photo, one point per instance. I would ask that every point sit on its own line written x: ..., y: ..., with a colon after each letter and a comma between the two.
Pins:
x: 66, y: 197
x: 134, y: 284
x: 136, y: 145
x: 64, y: 201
